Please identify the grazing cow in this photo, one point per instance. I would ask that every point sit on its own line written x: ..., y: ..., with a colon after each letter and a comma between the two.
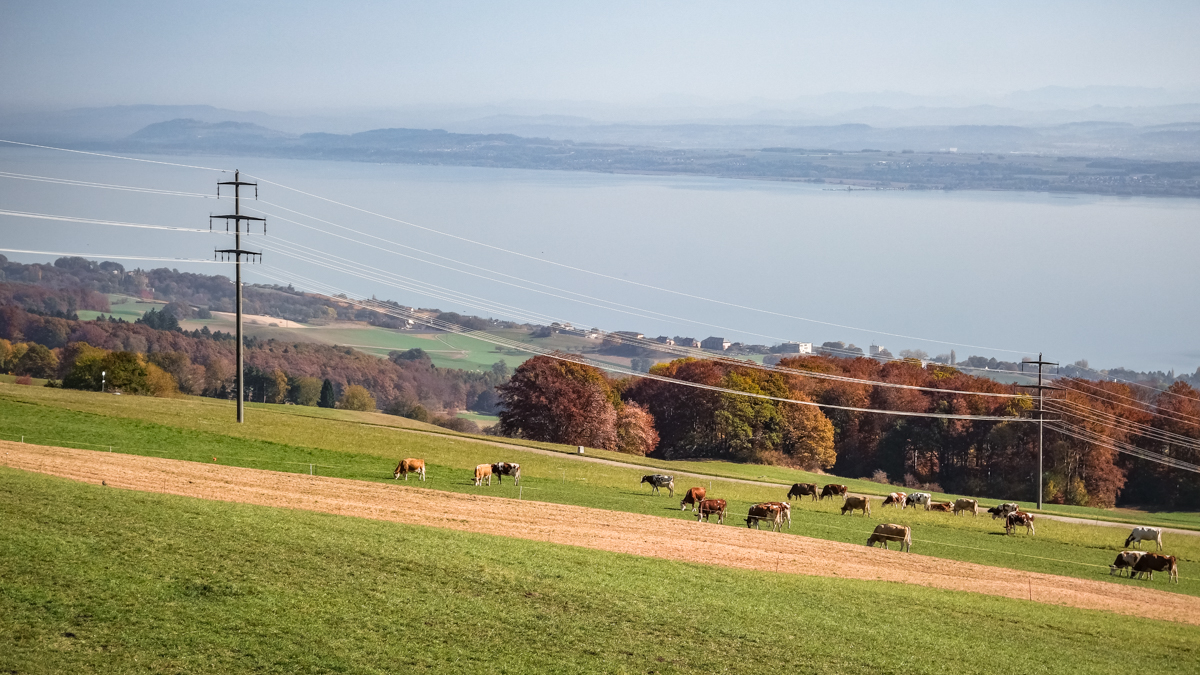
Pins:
x: 658, y: 480
x: 1141, y: 534
x: 710, y: 506
x: 481, y: 472
x: 693, y: 496
x: 501, y: 469
x: 407, y: 466
x: 785, y: 509
x: 1153, y: 562
x: 1003, y: 510
x: 939, y: 506
x: 769, y: 512
x: 897, y: 499
x: 1017, y: 519
x: 1125, y: 560
x: 857, y: 503
x: 833, y: 490
x: 918, y: 498
x: 890, y: 532
x: 803, y: 489
x: 963, y: 505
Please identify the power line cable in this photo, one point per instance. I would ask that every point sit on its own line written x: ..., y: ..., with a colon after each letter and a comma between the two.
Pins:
x: 93, y: 221
x: 106, y: 255
x: 101, y: 154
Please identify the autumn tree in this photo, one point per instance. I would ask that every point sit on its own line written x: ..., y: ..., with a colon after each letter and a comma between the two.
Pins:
x: 635, y: 430
x: 357, y: 398
x: 306, y: 391
x: 559, y: 401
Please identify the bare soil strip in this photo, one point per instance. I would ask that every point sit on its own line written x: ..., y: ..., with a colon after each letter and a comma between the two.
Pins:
x: 591, y: 528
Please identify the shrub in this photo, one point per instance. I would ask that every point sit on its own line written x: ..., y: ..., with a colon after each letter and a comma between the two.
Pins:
x: 457, y: 424
x: 24, y: 379
x: 357, y: 398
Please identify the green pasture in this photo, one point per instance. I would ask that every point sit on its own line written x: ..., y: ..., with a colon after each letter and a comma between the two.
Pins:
x: 98, y: 580
x: 479, y: 418
x: 357, y: 446
x: 123, y: 306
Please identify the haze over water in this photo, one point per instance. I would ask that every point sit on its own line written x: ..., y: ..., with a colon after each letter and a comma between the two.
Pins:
x: 1112, y: 280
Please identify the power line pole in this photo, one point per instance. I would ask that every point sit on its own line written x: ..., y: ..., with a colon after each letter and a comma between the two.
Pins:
x: 237, y: 252
x: 1041, y: 389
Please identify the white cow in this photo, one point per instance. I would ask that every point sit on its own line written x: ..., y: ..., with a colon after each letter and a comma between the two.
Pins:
x: 916, y: 498
x: 1141, y: 534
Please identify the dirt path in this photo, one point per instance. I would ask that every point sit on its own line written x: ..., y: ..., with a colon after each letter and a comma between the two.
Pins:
x: 591, y: 528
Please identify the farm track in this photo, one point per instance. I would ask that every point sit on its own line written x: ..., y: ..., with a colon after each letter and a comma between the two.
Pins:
x: 615, y: 531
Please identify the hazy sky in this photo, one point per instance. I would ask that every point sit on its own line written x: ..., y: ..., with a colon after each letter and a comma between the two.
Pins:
x: 294, y: 55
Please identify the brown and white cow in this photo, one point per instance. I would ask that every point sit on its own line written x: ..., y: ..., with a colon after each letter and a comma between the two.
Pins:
x: 785, y: 509
x: 1017, y: 519
x: 1125, y: 560
x: 769, y: 512
x: 1154, y: 562
x: 892, y: 532
x: 407, y: 466
x: 964, y: 505
x: 853, y: 504
x: 693, y: 496
x: 897, y: 499
x: 803, y: 490
x: 833, y: 490
x: 502, y: 469
x: 481, y: 472
x: 939, y: 506
x: 710, y: 506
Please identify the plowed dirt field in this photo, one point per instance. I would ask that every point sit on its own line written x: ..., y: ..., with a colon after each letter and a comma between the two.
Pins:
x: 591, y: 528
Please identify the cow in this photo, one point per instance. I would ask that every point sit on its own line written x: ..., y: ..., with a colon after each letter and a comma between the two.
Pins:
x: 833, y: 490
x: 407, y: 466
x: 1141, y: 534
x: 710, y: 506
x: 693, y: 496
x: 891, y: 532
x: 658, y: 480
x: 785, y: 509
x: 918, y: 498
x: 481, y: 472
x: 769, y: 512
x: 897, y: 499
x: 857, y: 503
x: 963, y: 505
x: 1017, y: 519
x: 1002, y: 510
x: 802, y: 490
x: 1153, y: 562
x: 501, y: 469
x: 1125, y: 559
x: 939, y: 506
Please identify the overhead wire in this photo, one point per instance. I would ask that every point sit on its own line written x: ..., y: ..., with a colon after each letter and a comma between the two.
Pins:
x: 101, y: 154
x: 94, y: 221
x: 1088, y: 436
x: 493, y: 339
x: 107, y: 255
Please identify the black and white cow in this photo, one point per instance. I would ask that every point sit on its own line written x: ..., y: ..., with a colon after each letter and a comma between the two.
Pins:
x: 1002, y: 510
x: 918, y: 498
x: 658, y: 480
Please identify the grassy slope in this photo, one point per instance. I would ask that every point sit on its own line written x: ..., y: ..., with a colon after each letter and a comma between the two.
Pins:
x: 100, y: 580
x: 197, y: 430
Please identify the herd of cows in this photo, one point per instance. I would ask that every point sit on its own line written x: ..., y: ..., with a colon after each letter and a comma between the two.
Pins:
x: 1138, y: 563
x: 775, y: 514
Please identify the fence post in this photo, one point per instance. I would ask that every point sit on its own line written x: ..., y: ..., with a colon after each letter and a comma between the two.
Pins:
x: 310, y: 469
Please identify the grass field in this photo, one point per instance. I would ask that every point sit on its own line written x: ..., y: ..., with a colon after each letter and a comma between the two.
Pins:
x: 343, y: 444
x: 102, y: 580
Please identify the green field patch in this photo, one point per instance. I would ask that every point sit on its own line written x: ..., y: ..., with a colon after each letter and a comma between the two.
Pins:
x: 103, y: 580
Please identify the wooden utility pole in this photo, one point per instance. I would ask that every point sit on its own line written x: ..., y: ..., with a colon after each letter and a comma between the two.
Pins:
x: 1041, y: 389
x: 237, y: 252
